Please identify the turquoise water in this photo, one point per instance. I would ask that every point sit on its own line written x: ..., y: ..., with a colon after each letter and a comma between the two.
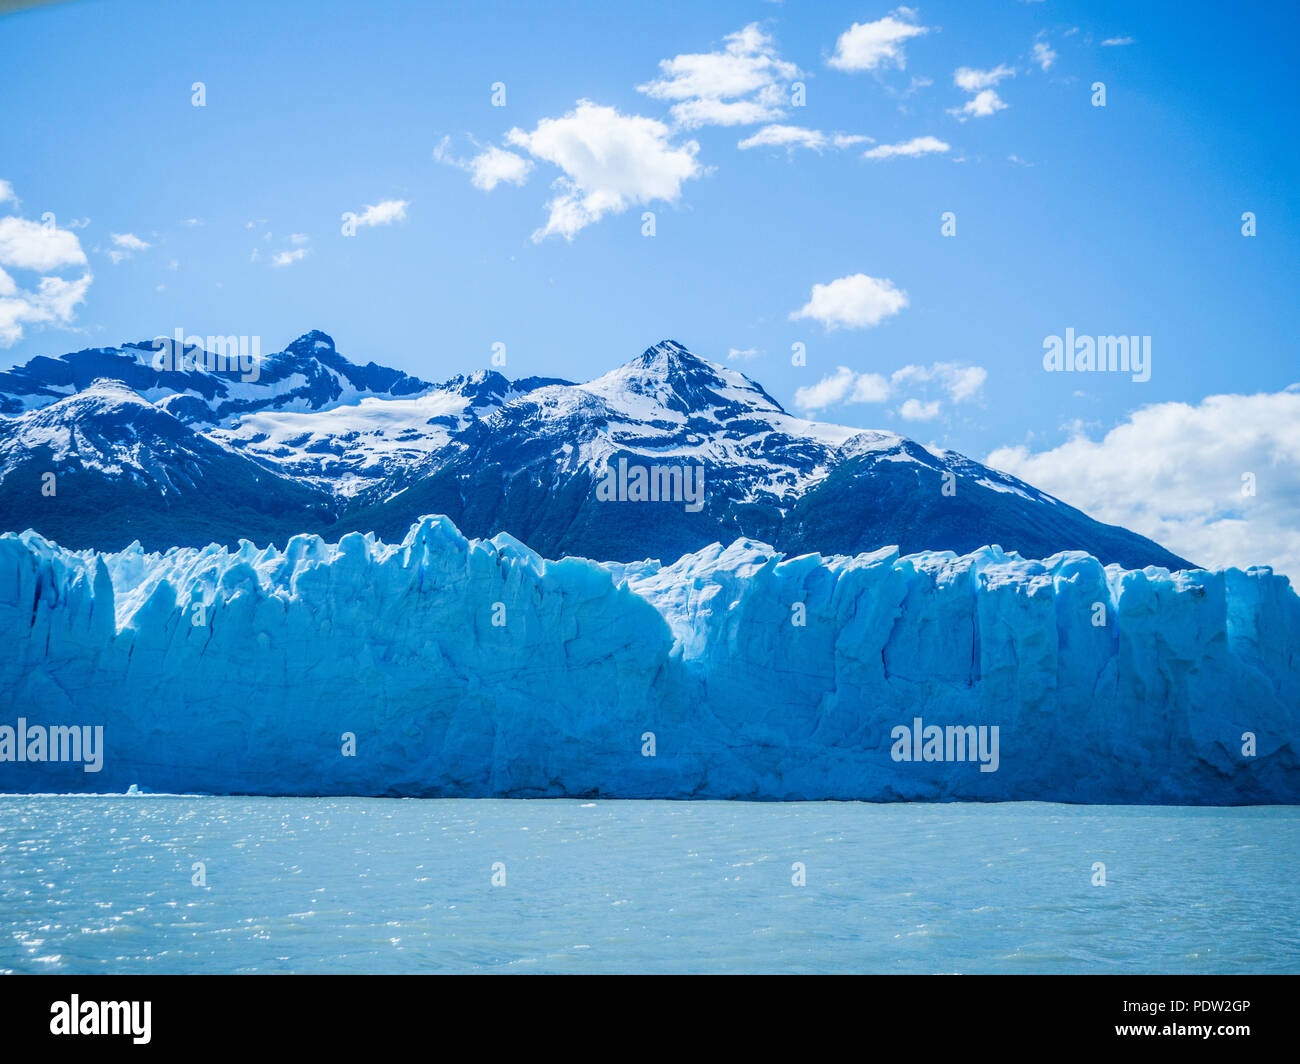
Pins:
x: 92, y: 884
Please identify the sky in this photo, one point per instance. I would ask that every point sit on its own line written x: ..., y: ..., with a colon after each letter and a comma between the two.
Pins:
x: 882, y: 214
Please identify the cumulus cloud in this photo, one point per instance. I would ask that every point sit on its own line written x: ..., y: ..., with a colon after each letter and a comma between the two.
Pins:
x: 130, y: 242
x: 53, y: 302
x: 1044, y: 56
x: 842, y: 386
x: 969, y: 79
x: 488, y: 168
x: 791, y: 137
x: 985, y: 101
x: 609, y: 160
x: 47, y: 299
x: 1113, y: 42
x: 876, y: 45
x: 744, y: 83
x: 956, y: 382
x: 1175, y: 472
x: 495, y: 165
x: 853, y: 302
x: 29, y: 245
x: 918, y: 410
x: 982, y: 105
x: 748, y: 354
x: 385, y: 212
x: 908, y: 149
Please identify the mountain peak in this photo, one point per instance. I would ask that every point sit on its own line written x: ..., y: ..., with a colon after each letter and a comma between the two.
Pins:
x: 668, y: 357
x: 313, y: 344
x: 676, y: 382
x: 107, y: 391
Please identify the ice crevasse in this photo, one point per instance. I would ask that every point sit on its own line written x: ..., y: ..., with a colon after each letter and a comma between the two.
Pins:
x: 443, y: 666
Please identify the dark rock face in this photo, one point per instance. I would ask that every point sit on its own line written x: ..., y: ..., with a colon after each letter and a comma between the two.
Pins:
x: 189, y: 456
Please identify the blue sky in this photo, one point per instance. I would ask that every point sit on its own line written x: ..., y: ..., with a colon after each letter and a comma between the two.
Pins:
x: 1123, y: 219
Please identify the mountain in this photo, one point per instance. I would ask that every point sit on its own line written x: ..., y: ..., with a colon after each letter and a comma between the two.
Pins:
x: 126, y: 469
x: 317, y: 443
x: 200, y: 387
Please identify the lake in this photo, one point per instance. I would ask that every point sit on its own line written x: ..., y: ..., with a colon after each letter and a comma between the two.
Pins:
x: 107, y: 884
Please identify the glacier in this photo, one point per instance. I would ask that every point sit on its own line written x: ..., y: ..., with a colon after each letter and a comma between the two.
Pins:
x: 447, y: 666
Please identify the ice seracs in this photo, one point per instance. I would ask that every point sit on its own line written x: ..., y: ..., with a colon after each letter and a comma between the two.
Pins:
x: 478, y: 667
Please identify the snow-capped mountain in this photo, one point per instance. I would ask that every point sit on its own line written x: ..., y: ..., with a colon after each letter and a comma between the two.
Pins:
x: 308, y: 375
x: 124, y: 468
x: 331, y: 446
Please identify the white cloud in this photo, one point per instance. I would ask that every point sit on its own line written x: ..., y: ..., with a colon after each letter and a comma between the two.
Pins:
x: 1043, y: 54
x: 745, y: 83
x: 124, y: 245
x: 48, y: 299
x: 916, y: 410
x: 790, y: 137
x: 961, y: 383
x: 908, y: 149
x: 288, y: 258
x: 1173, y: 472
x: 980, y: 83
x: 299, y: 239
x: 53, y: 302
x: 958, y: 383
x: 130, y: 242
x: 489, y: 168
x: 853, y: 302
x: 876, y: 45
x: 609, y: 162
x: 385, y: 212
x: 842, y: 386
x: 1112, y: 42
x: 29, y: 245
x: 495, y: 165
x: 983, y: 105
x: 748, y: 354
x: 869, y: 388
x: 968, y: 79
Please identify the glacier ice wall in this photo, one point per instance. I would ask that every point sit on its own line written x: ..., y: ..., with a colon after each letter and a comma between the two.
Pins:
x: 472, y: 668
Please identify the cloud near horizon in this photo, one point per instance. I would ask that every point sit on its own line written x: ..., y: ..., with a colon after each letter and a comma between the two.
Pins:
x: 956, y: 383
x: 1174, y: 473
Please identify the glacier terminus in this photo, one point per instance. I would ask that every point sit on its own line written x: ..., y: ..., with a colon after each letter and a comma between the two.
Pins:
x: 447, y: 666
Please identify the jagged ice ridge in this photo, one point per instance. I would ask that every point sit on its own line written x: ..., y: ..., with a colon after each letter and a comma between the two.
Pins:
x: 397, y: 645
